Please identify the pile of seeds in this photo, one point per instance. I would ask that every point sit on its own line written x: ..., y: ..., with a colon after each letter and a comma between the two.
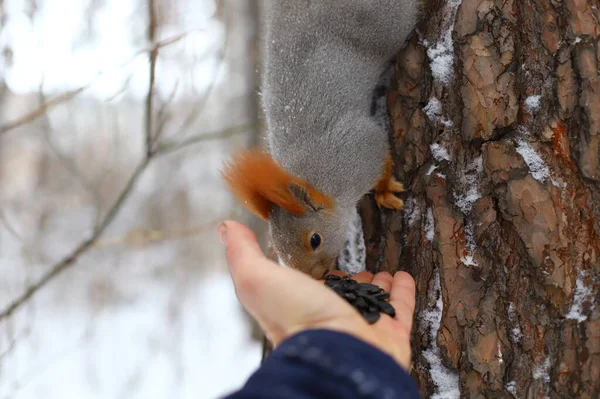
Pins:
x: 368, y: 299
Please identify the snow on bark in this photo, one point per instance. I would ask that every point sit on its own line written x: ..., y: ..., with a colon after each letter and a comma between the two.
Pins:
x: 582, y: 294
x: 430, y: 226
x: 441, y: 54
x: 446, y: 381
x: 440, y: 153
x: 352, y: 257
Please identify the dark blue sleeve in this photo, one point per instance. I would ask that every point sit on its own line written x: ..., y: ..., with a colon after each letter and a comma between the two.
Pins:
x: 328, y: 364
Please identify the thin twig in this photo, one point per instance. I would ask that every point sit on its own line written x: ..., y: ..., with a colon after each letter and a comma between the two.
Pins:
x: 69, y: 95
x: 172, y: 146
x: 82, y: 248
x: 45, y: 107
x: 163, y: 115
x: 152, y: 66
x: 66, y: 162
x: 202, y: 104
x: 142, y: 237
x: 72, y: 258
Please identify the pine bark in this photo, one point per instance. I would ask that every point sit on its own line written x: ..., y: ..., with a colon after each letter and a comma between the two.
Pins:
x: 507, y: 223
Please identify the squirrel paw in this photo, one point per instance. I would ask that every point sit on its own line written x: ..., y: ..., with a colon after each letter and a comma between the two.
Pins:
x: 385, y: 197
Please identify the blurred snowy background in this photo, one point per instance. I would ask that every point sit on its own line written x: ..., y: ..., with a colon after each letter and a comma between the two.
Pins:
x: 115, y: 116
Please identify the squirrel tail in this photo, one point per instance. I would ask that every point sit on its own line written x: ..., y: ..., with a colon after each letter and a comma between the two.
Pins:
x: 259, y: 182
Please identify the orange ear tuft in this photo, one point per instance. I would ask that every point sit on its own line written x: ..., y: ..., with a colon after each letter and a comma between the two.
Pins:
x: 259, y: 182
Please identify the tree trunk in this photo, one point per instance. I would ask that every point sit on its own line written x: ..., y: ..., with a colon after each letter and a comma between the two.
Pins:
x: 496, y: 135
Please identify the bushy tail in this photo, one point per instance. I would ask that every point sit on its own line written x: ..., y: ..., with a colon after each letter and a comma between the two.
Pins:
x: 259, y: 183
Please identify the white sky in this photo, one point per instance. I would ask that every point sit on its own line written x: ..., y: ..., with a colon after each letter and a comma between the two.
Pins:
x: 51, y: 47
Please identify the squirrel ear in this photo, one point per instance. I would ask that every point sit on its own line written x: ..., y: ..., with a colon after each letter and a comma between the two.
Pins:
x: 310, y: 198
x: 261, y: 183
x: 301, y: 193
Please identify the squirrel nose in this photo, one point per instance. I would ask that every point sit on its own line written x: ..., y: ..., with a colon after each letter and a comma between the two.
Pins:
x: 319, y: 270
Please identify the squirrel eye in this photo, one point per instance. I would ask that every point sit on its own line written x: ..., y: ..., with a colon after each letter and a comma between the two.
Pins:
x: 315, y: 241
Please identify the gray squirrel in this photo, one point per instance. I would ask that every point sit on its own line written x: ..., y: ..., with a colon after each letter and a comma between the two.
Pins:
x: 326, y: 67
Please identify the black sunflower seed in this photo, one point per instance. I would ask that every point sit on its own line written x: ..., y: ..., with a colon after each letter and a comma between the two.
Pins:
x: 387, y: 309
x: 367, y: 299
x: 372, y: 317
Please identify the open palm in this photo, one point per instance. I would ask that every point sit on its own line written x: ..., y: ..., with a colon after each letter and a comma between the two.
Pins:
x: 284, y: 301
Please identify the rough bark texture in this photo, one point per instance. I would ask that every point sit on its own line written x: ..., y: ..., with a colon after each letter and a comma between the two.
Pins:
x: 506, y: 220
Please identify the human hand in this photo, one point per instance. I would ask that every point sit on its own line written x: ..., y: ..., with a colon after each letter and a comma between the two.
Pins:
x: 285, y: 301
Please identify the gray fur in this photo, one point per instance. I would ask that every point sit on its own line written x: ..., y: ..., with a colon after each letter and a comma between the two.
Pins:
x: 323, y: 63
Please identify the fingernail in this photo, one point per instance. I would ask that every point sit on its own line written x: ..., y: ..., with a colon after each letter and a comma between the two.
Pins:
x: 223, y: 233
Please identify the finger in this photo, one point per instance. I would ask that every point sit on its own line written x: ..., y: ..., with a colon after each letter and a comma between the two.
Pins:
x: 402, y: 298
x: 240, y: 242
x: 383, y: 280
x: 363, y: 277
x: 263, y: 287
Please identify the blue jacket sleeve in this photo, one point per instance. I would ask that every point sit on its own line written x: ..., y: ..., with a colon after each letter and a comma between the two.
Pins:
x: 328, y: 364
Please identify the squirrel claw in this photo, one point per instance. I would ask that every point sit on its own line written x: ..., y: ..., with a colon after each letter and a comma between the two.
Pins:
x: 386, y: 186
x: 387, y: 199
x: 394, y: 186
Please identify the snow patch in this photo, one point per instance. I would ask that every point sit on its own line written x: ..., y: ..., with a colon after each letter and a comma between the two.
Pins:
x: 440, y: 153
x: 433, y: 109
x: 499, y: 354
x: 537, y: 167
x: 431, y: 169
x: 469, y: 183
x: 353, y: 257
x: 511, y: 387
x: 414, y: 212
x: 542, y: 371
x: 517, y: 334
x: 430, y: 226
x: 577, y: 40
x: 469, y: 261
x: 466, y: 201
x: 465, y: 198
x: 441, y: 55
x: 444, y: 379
x: 582, y: 294
x: 532, y: 103
x: 434, y: 112
x: 442, y: 59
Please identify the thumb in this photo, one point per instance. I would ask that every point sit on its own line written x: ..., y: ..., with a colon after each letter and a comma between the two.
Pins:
x: 281, y: 299
x: 242, y: 246
x: 247, y: 263
x: 252, y: 275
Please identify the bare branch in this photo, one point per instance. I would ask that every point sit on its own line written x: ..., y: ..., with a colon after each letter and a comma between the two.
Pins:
x: 69, y: 95
x: 196, y: 113
x: 53, y: 272
x: 165, y: 148
x: 45, y: 107
x: 152, y: 26
x: 172, y: 146
x: 66, y: 162
x: 162, y: 115
x: 143, y: 237
x: 71, y: 259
